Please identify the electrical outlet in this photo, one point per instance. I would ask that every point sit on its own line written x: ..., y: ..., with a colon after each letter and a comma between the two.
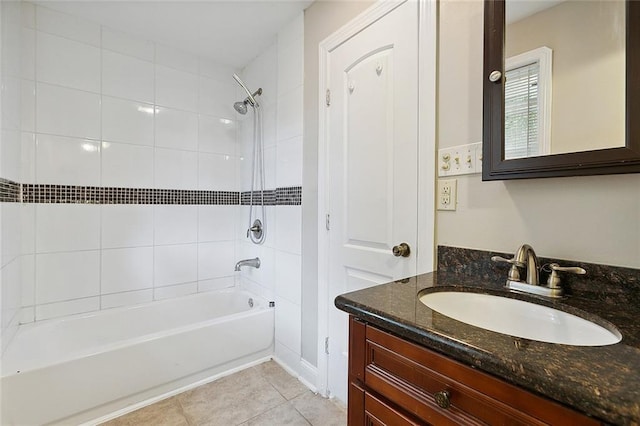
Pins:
x: 447, y: 192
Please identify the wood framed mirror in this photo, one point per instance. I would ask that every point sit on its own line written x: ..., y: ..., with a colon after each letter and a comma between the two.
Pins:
x: 621, y: 155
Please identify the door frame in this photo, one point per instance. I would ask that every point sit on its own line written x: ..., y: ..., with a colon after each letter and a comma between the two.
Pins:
x: 426, y: 85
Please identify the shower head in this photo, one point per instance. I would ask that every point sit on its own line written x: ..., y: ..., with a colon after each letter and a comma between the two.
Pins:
x: 241, y: 107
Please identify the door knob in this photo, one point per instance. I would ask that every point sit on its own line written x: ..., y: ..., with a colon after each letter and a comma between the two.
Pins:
x: 401, y: 249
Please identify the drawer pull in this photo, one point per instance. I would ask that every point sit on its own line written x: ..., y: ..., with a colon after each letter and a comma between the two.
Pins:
x: 442, y: 399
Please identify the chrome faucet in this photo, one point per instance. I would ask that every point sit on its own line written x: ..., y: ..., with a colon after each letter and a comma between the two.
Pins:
x: 526, y: 259
x: 254, y: 263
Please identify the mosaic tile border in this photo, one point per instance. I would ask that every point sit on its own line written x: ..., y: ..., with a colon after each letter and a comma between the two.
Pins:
x: 287, y: 196
x: 69, y: 194
x: 11, y: 191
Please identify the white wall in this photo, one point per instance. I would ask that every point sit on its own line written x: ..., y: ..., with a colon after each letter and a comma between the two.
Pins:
x: 10, y: 120
x: 105, y: 109
x: 593, y: 219
x: 279, y: 71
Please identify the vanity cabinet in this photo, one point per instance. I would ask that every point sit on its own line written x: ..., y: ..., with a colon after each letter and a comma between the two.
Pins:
x: 395, y: 382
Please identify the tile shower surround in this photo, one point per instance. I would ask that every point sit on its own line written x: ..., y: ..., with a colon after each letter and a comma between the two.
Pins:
x: 11, y: 191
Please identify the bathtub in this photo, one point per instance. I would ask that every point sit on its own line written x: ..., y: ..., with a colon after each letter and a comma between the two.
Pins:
x: 75, y: 369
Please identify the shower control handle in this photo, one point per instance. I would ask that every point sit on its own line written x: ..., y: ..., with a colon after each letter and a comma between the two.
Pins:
x: 256, y: 229
x: 401, y: 250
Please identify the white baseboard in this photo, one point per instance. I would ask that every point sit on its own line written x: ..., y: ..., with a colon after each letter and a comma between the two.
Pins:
x: 306, y: 373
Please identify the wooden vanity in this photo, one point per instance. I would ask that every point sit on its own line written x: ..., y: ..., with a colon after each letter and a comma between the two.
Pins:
x: 395, y: 382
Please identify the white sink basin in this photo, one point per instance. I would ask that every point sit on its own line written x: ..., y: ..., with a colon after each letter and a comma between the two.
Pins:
x: 520, y: 319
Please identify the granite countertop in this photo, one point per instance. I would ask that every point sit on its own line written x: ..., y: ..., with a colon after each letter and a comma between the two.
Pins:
x: 601, y: 381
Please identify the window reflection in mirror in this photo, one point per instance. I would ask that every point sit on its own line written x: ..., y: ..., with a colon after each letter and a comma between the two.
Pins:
x: 565, y: 76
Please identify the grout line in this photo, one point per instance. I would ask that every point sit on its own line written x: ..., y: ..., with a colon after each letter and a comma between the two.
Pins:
x: 101, y: 152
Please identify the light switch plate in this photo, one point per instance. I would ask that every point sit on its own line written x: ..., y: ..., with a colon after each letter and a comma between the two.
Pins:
x: 460, y: 160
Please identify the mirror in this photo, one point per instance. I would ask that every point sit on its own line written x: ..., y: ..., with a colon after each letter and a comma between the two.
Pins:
x: 561, y: 83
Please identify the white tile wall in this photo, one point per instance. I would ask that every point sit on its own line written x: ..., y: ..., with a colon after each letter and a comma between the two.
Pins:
x: 127, y: 121
x: 127, y: 166
x: 127, y: 77
x: 126, y: 269
x: 288, y: 273
x: 160, y: 118
x: 27, y: 162
x: 216, y: 284
x: 216, y: 135
x: 288, y: 324
x: 11, y: 142
x: 105, y: 108
x: 213, y: 223
x: 67, y: 112
x: 175, y: 291
x: 174, y: 58
x: 176, y: 224
x: 176, y: 129
x: 289, y: 225
x: 67, y: 275
x: 290, y: 114
x: 70, y: 307
x: 53, y: 22
x: 211, y: 92
x: 279, y: 72
x: 67, y: 227
x: 216, y: 259
x: 288, y: 169
x: 28, y: 55
x: 127, y: 298
x: 217, y: 171
x: 128, y: 45
x: 67, y: 161
x: 176, y: 89
x: 176, y: 169
x: 28, y: 99
x: 67, y: 63
x: 175, y: 264
x: 127, y: 226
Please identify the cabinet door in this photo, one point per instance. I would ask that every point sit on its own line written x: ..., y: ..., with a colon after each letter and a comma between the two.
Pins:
x: 377, y: 413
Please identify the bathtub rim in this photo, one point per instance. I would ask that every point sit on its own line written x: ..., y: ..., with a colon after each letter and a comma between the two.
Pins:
x: 6, y: 372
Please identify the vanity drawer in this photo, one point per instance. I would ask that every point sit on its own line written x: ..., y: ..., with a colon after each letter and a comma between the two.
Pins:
x: 409, y: 376
x: 379, y: 413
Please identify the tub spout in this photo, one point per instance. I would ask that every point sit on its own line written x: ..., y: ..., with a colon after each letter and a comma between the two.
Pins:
x: 254, y: 263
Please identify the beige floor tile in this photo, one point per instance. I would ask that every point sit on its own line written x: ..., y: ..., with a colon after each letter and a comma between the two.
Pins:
x: 164, y: 413
x: 319, y: 411
x: 285, y: 383
x: 252, y: 397
x: 231, y: 400
x: 282, y: 415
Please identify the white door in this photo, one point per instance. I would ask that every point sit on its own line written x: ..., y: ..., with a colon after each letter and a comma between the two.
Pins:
x: 372, y: 159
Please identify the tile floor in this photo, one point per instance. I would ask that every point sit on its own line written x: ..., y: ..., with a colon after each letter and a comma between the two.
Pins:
x: 264, y: 395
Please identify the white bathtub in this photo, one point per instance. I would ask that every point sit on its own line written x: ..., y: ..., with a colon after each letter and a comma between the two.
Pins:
x: 79, y: 368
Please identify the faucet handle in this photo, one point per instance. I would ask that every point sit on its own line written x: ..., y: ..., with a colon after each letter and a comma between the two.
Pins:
x: 512, y: 261
x: 514, y: 273
x: 554, y: 279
